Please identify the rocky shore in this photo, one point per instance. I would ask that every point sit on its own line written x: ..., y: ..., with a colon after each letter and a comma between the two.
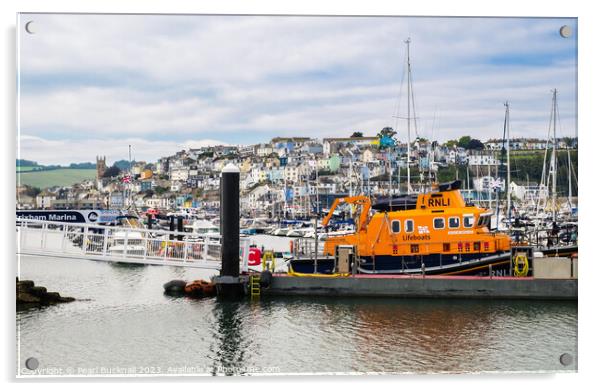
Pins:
x: 29, y: 295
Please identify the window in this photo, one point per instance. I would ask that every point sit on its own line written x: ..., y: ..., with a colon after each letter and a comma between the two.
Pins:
x: 414, y: 248
x: 468, y: 221
x: 446, y: 247
x: 484, y: 221
x: 395, y: 226
x: 487, y: 221
x: 409, y: 226
x: 454, y: 222
x: 438, y: 223
x: 476, y: 246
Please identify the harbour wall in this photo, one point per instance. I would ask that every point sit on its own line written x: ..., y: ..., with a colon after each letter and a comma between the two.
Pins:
x: 425, y: 287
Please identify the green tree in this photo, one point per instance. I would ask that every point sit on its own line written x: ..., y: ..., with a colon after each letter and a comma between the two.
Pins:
x: 357, y: 134
x: 387, y: 131
x: 475, y: 144
x: 32, y: 191
x: 112, y: 171
x: 160, y: 190
x: 464, y: 141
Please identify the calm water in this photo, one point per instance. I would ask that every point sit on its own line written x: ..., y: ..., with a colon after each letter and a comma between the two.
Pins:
x: 126, y: 324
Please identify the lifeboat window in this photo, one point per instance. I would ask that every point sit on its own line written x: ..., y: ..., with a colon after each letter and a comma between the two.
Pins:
x: 487, y: 221
x: 446, y: 247
x: 468, y: 221
x: 483, y: 221
x: 454, y: 222
x: 476, y: 246
x: 395, y: 226
x: 438, y: 223
x: 409, y: 226
x: 414, y: 248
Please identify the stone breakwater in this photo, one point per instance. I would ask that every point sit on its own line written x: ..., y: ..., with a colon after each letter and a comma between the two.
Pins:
x: 29, y: 295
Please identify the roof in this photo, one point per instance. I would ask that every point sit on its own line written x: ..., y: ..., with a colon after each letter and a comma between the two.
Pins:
x: 294, y: 139
x: 342, y: 139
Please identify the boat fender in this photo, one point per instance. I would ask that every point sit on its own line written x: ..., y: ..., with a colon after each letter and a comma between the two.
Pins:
x: 521, y: 265
x: 292, y: 246
x: 194, y: 289
x: 174, y: 287
x: 265, y: 279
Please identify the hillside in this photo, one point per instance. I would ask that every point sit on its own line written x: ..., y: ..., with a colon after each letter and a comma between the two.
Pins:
x: 59, y: 177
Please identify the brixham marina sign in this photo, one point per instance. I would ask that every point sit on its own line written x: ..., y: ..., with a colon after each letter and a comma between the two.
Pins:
x: 71, y: 216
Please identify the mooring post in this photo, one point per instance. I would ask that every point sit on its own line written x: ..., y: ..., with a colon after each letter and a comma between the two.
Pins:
x: 229, y: 220
x: 229, y: 282
x: 172, y: 226
x: 180, y: 227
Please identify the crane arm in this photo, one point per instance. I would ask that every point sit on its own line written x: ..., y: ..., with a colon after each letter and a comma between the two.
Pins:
x: 355, y: 200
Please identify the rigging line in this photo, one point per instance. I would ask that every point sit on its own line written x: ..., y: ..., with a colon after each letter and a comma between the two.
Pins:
x: 410, y: 80
x: 544, y: 179
x: 398, y: 100
x: 575, y: 175
x: 567, y: 146
x: 433, y: 127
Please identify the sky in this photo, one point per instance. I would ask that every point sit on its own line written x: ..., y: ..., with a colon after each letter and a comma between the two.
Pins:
x: 93, y: 84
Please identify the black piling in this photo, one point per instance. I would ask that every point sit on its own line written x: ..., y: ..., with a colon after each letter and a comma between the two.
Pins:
x: 172, y: 226
x: 180, y: 227
x: 229, y: 282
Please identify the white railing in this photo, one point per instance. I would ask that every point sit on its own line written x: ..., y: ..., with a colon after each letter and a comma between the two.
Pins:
x: 122, y: 244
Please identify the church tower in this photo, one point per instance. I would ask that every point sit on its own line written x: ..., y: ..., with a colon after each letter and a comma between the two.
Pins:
x: 101, y: 166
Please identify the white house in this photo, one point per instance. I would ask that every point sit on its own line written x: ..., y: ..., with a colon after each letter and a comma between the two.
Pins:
x: 531, y: 192
x: 44, y: 200
x: 254, y: 198
x: 265, y: 150
x: 485, y: 182
x: 368, y: 156
x: 482, y: 159
x: 178, y: 174
x: 176, y: 186
x: 291, y: 173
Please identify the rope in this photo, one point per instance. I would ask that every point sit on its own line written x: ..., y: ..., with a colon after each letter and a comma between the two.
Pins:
x: 521, y: 265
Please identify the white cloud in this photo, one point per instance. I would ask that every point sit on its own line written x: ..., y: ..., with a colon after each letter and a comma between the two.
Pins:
x: 168, y: 79
x: 67, y: 151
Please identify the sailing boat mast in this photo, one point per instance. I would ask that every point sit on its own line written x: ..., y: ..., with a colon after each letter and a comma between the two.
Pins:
x: 408, y: 117
x: 553, y: 163
x: 507, y: 134
x: 127, y: 187
x: 570, y: 199
x: 489, y: 181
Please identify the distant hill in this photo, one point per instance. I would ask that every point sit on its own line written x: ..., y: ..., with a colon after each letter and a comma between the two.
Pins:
x: 26, y: 163
x: 54, y: 177
x: 30, y: 165
x: 86, y: 165
x: 123, y: 165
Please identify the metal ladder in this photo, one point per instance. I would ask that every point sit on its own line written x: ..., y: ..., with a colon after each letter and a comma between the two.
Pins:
x: 255, y: 287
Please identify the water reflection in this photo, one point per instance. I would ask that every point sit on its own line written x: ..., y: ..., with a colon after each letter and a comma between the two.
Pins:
x: 229, y: 354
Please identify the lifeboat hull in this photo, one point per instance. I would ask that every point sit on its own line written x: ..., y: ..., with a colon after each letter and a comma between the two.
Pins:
x: 457, y: 264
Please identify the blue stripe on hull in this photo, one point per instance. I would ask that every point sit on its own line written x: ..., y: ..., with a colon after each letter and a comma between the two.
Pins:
x: 433, y: 263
